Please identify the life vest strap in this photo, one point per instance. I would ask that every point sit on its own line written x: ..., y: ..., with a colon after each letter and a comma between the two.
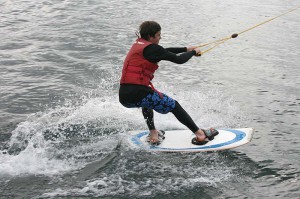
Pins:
x: 159, y: 93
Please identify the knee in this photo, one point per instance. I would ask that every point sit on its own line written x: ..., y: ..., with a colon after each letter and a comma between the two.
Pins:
x: 147, y: 111
x: 164, y: 109
x: 176, y: 105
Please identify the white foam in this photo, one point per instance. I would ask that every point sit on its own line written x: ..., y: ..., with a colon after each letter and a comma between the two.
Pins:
x: 159, y: 174
x: 39, y: 156
x: 32, y: 161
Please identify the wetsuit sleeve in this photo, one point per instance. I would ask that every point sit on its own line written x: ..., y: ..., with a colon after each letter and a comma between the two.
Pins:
x: 176, y: 50
x: 155, y: 53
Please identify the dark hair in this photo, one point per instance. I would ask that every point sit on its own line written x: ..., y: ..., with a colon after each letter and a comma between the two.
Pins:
x: 149, y: 29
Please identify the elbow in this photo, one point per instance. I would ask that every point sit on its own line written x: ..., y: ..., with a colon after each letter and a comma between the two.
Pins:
x: 181, y: 62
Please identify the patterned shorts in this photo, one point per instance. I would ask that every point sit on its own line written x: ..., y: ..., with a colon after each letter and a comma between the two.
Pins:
x: 154, y: 101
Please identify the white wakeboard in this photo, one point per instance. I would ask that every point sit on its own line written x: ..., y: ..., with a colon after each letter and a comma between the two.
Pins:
x: 180, y: 140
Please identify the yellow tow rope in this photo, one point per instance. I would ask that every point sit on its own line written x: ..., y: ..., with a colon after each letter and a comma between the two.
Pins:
x: 221, y: 41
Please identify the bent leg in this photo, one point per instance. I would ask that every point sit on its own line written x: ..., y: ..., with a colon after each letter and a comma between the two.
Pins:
x: 148, y: 115
x: 161, y: 105
x: 184, y: 117
x: 186, y: 120
x: 165, y: 105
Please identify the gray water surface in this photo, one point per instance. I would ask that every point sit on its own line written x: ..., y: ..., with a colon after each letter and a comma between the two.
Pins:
x: 63, y: 131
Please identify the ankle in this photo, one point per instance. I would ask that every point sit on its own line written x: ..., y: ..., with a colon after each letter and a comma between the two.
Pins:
x: 199, y: 132
x: 153, y: 131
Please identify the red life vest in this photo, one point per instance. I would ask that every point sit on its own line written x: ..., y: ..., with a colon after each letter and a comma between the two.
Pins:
x: 136, y: 69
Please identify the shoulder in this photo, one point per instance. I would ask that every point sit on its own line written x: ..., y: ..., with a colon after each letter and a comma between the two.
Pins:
x: 154, y: 48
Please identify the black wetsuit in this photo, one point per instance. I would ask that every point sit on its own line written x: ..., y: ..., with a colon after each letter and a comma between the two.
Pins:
x: 130, y: 93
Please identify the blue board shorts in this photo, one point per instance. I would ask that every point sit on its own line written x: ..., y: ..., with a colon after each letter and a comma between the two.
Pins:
x: 153, y: 101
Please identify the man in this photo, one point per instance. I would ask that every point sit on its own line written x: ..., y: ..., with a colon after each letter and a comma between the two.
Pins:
x: 136, y: 89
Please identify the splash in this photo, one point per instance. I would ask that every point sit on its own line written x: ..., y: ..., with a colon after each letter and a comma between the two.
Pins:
x: 63, y: 139
x: 56, y: 140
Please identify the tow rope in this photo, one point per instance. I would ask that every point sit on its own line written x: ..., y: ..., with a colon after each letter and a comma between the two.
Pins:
x: 221, y: 41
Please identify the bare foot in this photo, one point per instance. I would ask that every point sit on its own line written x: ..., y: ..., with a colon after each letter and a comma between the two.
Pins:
x: 153, y: 136
x: 200, y: 136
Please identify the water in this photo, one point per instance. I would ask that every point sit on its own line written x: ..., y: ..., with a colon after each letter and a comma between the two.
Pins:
x: 63, y: 132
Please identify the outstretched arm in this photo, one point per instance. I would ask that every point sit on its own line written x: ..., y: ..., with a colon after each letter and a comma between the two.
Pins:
x: 177, y: 50
x: 155, y: 53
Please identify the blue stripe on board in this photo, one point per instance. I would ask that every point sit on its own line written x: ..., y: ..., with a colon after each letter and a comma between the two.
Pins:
x: 239, y: 135
x: 136, y: 139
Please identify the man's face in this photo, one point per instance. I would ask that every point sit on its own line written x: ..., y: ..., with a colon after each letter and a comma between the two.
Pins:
x: 156, y: 38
